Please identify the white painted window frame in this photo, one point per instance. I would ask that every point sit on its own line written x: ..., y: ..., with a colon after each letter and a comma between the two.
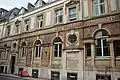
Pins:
x: 26, y: 24
x: 39, y: 50
x: 58, y: 44
x: 60, y: 13
x: 98, y: 5
x: 74, y: 7
x: 40, y: 21
x: 102, y: 48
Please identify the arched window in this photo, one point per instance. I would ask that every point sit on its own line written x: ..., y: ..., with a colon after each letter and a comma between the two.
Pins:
x: 101, y: 43
x: 37, y: 48
x: 57, y: 47
x: 23, y: 47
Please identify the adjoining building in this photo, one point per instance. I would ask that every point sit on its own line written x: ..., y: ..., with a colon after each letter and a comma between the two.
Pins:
x: 62, y: 40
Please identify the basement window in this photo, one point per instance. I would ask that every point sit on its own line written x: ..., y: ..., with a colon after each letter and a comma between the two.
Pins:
x: 103, y: 77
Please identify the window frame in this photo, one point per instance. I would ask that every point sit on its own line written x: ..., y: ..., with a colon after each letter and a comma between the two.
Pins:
x: 27, y: 24
x: 102, y: 76
x: 72, y: 40
x: 101, y: 38
x: 17, y: 28
x: 75, y: 13
x: 55, y: 74
x: 23, y: 51
x: 40, y: 21
x: 57, y: 16
x: 38, y: 50
x: 8, y: 31
x: 37, y: 54
x: 98, y: 5
x: 59, y: 49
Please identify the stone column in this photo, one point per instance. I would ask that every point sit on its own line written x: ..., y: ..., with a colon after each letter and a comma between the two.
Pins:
x: 112, y: 54
x: 93, y: 54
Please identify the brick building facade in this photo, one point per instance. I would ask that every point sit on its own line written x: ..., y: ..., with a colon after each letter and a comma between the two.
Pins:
x: 62, y: 40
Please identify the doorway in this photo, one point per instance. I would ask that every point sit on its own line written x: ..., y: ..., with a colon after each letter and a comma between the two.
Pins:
x: 12, y: 64
x: 1, y: 69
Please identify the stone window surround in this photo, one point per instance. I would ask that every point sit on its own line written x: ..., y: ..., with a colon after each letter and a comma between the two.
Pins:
x: 111, y: 57
x: 75, y: 40
x: 72, y: 32
x: 67, y: 12
x: 92, y: 42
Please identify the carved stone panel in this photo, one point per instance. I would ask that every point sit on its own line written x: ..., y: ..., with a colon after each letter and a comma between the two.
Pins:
x: 45, y: 58
x: 29, y: 57
x: 72, y: 58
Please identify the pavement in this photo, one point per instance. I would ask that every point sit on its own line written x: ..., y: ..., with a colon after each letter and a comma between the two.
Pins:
x: 22, y: 78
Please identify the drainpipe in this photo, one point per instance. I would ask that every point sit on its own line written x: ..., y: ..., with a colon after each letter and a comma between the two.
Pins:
x: 81, y: 5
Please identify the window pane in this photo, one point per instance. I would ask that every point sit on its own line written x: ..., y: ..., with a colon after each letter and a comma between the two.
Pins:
x: 41, y: 22
x: 95, y: 2
x: 103, y: 77
x: 105, y: 47
x: 95, y: 10
x: 39, y: 51
x: 23, y: 51
x: 55, y: 50
x: 98, y: 51
x: 98, y: 43
x: 27, y: 27
x: 58, y: 16
x: 72, y: 38
x: 102, y: 9
x: 60, y: 50
x: 102, y: 1
x: 57, y: 47
x: 98, y: 48
x: 106, y: 51
x: 55, y: 75
x: 36, y: 55
x: 72, y: 13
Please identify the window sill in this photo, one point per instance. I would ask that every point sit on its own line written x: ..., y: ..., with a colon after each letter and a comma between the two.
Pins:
x: 37, y: 58
x: 118, y: 57
x: 22, y: 58
x: 58, y: 23
x: 88, y: 58
x: 103, y: 57
x: 72, y: 19
x: 57, y: 58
